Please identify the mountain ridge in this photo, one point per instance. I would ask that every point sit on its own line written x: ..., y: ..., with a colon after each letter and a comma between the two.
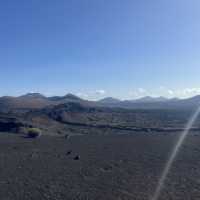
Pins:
x: 38, y: 101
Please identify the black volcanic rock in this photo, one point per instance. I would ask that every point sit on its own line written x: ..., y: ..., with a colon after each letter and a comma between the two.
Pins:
x: 10, y: 124
x: 68, y: 111
x: 77, y: 157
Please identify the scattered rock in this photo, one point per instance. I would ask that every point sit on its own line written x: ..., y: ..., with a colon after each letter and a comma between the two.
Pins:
x: 77, y: 157
x: 69, y: 152
x: 107, y: 168
x: 67, y: 136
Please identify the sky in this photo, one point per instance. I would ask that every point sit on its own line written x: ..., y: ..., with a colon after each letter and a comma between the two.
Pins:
x: 96, y: 48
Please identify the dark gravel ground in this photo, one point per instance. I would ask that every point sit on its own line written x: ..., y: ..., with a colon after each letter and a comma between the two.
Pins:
x: 113, y: 167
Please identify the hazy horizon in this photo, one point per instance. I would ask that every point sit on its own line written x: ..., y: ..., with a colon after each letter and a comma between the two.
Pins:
x: 95, y: 98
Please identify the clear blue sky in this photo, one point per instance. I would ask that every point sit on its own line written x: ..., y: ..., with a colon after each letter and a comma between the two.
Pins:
x: 95, y: 48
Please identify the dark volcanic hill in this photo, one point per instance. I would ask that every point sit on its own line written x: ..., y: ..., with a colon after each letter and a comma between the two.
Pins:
x: 34, y: 101
x: 39, y: 101
x: 157, y: 103
x: 149, y: 99
x: 109, y: 101
x: 66, y: 98
x: 22, y: 102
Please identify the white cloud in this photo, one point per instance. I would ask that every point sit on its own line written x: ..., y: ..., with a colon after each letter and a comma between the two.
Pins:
x: 83, y: 95
x: 165, y: 92
x: 141, y: 90
x: 188, y: 92
x: 92, y: 95
x: 191, y: 90
x: 170, y: 92
x: 100, y: 92
x: 181, y: 93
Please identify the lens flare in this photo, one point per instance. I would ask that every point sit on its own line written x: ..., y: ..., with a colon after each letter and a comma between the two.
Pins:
x: 174, y: 154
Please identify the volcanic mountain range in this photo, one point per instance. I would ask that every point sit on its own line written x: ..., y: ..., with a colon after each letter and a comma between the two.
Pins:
x: 73, y: 115
x: 38, y: 101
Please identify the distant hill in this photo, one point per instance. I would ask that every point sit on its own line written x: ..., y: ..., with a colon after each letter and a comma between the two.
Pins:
x: 23, y: 102
x: 109, y: 100
x: 149, y: 99
x: 37, y: 101
x: 156, y: 103
x: 69, y: 97
x: 34, y: 101
x: 33, y: 96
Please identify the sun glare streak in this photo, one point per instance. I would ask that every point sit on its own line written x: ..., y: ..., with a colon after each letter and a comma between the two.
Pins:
x: 174, y: 154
